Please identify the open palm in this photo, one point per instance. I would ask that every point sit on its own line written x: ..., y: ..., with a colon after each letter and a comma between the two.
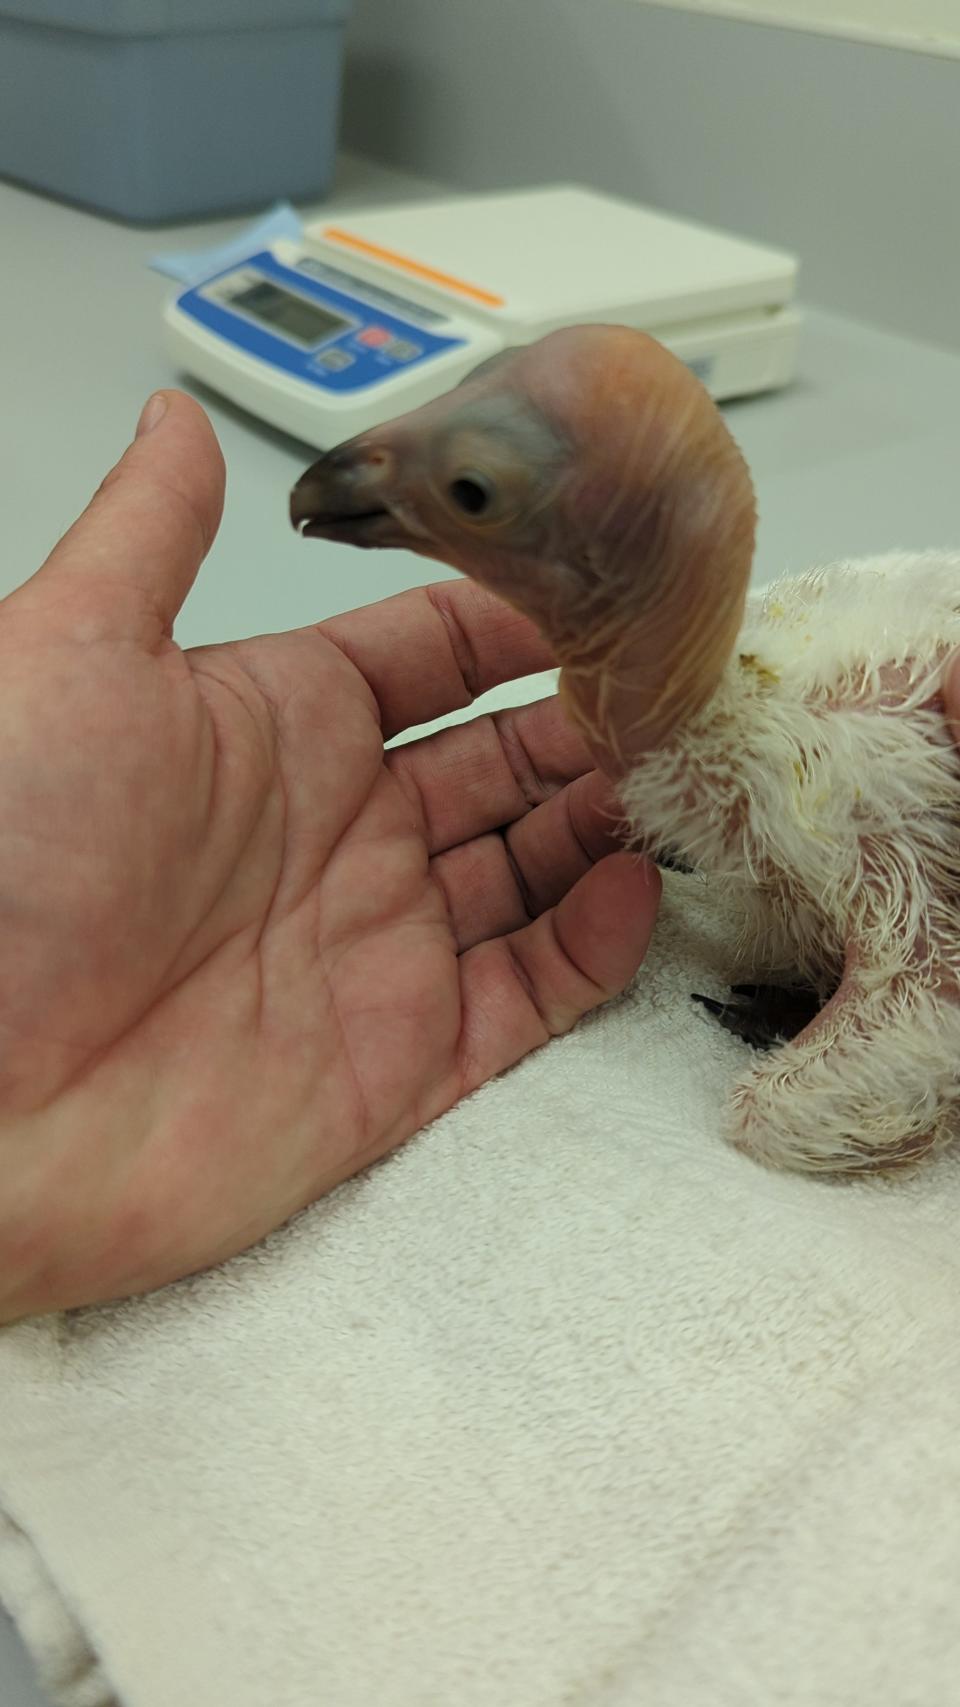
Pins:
x: 246, y: 951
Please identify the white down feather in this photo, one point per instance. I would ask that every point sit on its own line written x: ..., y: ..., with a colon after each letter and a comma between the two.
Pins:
x: 821, y: 784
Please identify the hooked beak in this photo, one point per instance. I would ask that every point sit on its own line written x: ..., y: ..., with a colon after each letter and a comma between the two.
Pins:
x: 343, y: 497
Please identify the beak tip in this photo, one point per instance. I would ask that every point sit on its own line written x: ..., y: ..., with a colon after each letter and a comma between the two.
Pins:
x: 341, y: 496
x: 303, y: 502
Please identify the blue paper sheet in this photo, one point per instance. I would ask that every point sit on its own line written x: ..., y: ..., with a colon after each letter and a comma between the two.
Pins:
x: 189, y: 266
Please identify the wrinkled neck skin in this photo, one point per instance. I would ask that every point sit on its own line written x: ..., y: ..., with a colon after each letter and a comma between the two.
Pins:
x: 643, y: 611
x: 661, y: 652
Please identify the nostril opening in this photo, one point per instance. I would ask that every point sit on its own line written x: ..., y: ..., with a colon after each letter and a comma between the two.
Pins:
x: 356, y: 459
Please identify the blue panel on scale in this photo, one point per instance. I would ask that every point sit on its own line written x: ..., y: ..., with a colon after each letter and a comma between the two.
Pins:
x: 359, y: 345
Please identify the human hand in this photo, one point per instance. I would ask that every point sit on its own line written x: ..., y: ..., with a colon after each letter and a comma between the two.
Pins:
x: 246, y: 952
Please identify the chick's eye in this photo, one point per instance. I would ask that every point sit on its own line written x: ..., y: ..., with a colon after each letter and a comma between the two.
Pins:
x: 472, y: 494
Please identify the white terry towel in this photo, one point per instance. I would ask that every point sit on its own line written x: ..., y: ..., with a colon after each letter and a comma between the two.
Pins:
x: 566, y: 1405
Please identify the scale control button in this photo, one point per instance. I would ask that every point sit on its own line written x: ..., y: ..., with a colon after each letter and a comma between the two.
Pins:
x: 374, y: 336
x: 334, y: 360
x: 403, y: 351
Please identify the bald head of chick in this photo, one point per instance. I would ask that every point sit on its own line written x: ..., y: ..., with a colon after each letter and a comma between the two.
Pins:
x: 589, y: 480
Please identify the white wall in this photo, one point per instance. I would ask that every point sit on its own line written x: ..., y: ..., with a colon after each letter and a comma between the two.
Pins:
x: 931, y: 26
x: 846, y: 152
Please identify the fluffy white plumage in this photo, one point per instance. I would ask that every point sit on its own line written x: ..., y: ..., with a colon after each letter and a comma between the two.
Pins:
x: 821, y: 787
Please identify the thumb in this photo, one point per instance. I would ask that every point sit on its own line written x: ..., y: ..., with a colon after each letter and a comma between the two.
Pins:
x: 142, y: 538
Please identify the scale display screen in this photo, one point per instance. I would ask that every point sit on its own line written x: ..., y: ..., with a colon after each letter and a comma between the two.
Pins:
x: 285, y: 312
x: 272, y: 322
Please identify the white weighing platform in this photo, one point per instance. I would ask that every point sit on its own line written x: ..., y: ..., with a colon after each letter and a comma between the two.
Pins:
x: 365, y: 317
x: 860, y: 455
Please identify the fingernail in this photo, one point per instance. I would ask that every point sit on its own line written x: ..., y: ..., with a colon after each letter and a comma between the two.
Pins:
x: 153, y: 411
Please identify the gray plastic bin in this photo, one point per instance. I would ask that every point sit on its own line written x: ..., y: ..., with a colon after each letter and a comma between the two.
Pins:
x: 162, y: 109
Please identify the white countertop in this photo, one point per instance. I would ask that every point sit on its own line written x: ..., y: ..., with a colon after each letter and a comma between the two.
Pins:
x: 862, y: 454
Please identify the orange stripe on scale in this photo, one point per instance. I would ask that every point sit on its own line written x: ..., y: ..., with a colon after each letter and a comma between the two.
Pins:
x: 488, y: 297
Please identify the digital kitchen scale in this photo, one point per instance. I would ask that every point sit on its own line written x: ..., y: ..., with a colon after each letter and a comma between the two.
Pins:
x: 355, y: 322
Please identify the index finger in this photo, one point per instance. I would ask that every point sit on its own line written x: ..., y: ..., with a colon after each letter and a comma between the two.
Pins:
x: 434, y: 649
